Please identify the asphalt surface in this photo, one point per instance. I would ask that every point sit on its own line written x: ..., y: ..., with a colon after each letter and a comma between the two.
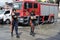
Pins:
x: 42, y: 32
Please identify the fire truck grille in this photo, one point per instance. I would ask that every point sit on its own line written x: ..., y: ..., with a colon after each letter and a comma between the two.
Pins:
x: 26, y: 19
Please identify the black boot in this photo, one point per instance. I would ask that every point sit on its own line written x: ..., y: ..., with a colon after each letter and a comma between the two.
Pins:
x: 11, y: 34
x: 33, y: 34
x: 17, y: 36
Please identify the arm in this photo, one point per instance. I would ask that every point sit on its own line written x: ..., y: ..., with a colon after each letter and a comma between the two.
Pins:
x: 11, y: 22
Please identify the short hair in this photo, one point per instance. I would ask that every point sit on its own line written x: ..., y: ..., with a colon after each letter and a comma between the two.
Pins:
x: 13, y: 9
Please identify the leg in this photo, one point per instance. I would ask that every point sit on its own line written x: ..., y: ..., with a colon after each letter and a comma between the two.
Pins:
x: 12, y: 30
x: 32, y: 28
x: 16, y: 29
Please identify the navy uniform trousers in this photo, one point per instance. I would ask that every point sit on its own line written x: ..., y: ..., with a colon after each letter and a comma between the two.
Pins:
x: 15, y: 26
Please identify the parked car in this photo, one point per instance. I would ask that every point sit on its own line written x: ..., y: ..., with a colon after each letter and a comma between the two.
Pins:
x: 5, y: 16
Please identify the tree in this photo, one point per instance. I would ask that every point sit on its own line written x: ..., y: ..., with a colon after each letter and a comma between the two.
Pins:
x: 51, y: 1
x: 39, y: 0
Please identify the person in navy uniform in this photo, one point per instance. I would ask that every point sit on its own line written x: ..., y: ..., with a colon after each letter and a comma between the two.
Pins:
x: 14, y: 22
x: 32, y: 14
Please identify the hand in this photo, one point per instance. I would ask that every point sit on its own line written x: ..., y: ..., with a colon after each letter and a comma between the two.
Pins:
x: 32, y: 17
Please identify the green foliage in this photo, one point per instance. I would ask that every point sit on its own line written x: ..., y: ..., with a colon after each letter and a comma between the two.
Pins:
x: 51, y: 1
x: 39, y: 0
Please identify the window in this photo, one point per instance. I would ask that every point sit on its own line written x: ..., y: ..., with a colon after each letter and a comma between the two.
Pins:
x: 35, y: 5
x: 7, y: 12
x: 18, y: 5
x: 27, y: 5
x: 30, y: 5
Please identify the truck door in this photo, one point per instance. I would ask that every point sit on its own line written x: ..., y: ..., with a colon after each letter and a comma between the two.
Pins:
x: 27, y: 7
x: 36, y: 8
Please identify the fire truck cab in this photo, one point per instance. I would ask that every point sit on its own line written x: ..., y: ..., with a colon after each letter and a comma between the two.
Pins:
x: 25, y: 8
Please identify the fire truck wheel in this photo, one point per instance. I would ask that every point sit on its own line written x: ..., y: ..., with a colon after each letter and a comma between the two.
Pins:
x: 52, y: 20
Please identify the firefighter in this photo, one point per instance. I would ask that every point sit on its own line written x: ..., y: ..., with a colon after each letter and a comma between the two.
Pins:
x: 32, y: 14
x: 14, y: 23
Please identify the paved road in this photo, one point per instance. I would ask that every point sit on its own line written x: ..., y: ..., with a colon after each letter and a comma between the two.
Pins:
x: 43, y: 32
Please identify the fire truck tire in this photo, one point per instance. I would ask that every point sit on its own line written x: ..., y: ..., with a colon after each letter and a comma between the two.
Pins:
x: 52, y: 20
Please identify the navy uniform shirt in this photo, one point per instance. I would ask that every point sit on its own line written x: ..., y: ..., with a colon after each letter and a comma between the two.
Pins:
x: 32, y: 14
x: 15, y: 16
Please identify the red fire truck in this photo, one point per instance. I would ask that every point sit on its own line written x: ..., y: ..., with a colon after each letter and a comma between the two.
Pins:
x: 44, y: 12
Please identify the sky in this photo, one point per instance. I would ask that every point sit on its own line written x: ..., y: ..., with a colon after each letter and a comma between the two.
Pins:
x: 3, y: 1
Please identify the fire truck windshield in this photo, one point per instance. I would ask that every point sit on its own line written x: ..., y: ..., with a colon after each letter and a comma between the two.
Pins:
x: 18, y: 5
x: 27, y: 5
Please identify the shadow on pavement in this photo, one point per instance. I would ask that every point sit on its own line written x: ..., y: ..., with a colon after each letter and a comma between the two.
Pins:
x: 56, y: 37
x: 39, y: 39
x: 20, y: 33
